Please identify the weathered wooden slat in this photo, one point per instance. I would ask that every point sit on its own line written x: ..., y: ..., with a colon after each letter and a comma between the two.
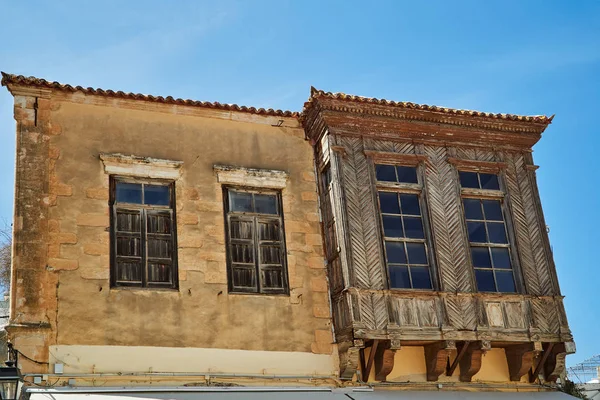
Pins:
x: 448, y: 230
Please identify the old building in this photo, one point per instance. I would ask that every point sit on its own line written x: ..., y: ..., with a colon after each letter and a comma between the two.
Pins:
x: 358, y: 244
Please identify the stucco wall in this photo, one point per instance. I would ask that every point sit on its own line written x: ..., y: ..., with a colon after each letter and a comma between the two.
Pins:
x: 201, y: 313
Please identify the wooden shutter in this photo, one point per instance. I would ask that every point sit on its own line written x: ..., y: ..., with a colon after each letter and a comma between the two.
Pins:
x: 129, y: 246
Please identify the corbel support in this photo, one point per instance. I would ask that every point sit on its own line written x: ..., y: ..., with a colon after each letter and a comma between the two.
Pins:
x: 555, y: 366
x: 470, y: 363
x: 350, y: 357
x: 520, y: 358
x: 384, y: 360
x: 436, y: 358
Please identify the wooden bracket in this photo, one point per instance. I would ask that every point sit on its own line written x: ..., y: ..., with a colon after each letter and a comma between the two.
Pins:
x: 349, y: 358
x: 470, y: 363
x: 384, y: 361
x: 436, y: 358
x: 555, y: 366
x: 520, y: 358
x: 367, y: 367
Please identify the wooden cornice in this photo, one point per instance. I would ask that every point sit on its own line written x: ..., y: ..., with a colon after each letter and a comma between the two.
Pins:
x: 409, y: 160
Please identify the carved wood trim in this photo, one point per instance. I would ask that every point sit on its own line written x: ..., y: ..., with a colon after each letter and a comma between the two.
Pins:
x: 384, y: 361
x: 477, y: 166
x: 470, y: 364
x: 409, y: 160
x: 520, y: 359
x: 436, y: 358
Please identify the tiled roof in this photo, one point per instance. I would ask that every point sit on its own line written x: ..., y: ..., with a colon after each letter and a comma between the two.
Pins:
x: 315, y: 94
x: 42, y: 83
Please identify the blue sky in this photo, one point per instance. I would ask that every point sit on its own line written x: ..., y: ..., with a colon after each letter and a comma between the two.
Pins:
x: 524, y: 57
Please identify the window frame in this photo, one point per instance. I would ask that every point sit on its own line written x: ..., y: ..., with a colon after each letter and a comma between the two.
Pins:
x: 258, y: 290
x: 413, y: 161
x: 499, y: 195
x: 143, y: 209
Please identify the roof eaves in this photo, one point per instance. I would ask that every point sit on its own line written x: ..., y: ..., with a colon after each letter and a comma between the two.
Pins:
x: 8, y: 79
x: 316, y: 94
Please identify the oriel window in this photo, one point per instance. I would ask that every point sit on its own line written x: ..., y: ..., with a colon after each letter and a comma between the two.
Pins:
x: 255, y: 242
x: 487, y: 231
x: 143, y: 244
x: 405, y: 240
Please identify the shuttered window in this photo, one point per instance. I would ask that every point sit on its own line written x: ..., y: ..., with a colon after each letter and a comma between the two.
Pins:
x: 143, y: 234
x: 255, y: 242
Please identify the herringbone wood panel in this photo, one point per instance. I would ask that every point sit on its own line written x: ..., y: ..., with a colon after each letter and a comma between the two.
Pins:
x: 446, y: 222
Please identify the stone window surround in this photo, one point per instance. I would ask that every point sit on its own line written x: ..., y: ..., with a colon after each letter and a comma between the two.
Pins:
x: 251, y: 177
x: 140, y: 167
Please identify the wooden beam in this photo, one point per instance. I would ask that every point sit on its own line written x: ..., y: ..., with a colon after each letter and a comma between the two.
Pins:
x: 461, y: 352
x: 384, y: 361
x: 547, y: 349
x: 367, y: 371
x: 470, y: 363
x: 520, y: 359
x: 436, y: 358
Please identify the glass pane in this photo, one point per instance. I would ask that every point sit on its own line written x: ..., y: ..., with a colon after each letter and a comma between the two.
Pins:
x: 407, y: 174
x: 413, y: 228
x: 242, y: 253
x: 270, y: 255
x: 128, y: 246
x: 269, y: 230
x: 389, y: 203
x: 493, y: 210
x: 399, y: 277
x: 159, y: 273
x: 489, y: 181
x: 501, y: 258
x: 416, y: 253
x: 485, y: 280
x: 240, y: 229
x: 505, y: 281
x: 476, y: 232
x: 156, y: 195
x: 420, y: 277
x: 244, y: 277
x: 468, y: 180
x: 159, y: 248
x: 392, y: 226
x: 265, y: 204
x: 128, y: 221
x: 158, y: 223
x: 472, y: 209
x: 128, y: 271
x: 395, y: 252
x: 410, y: 204
x: 386, y: 173
x: 480, y: 257
x: 240, y: 201
x: 129, y: 193
x: 272, y: 278
x: 496, y: 232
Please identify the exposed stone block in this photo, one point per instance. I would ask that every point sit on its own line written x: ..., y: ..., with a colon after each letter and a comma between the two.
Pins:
x: 100, y: 193
x: 321, y: 348
x: 187, y: 219
x: 316, y: 262
x: 93, y: 220
x: 190, y: 241
x: 62, y: 264
x: 308, y: 176
x: 319, y: 284
x: 96, y: 249
x: 309, y: 196
x: 63, y: 237
x: 323, y: 336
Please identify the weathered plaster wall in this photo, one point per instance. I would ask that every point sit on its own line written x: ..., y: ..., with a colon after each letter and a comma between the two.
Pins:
x: 201, y: 313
